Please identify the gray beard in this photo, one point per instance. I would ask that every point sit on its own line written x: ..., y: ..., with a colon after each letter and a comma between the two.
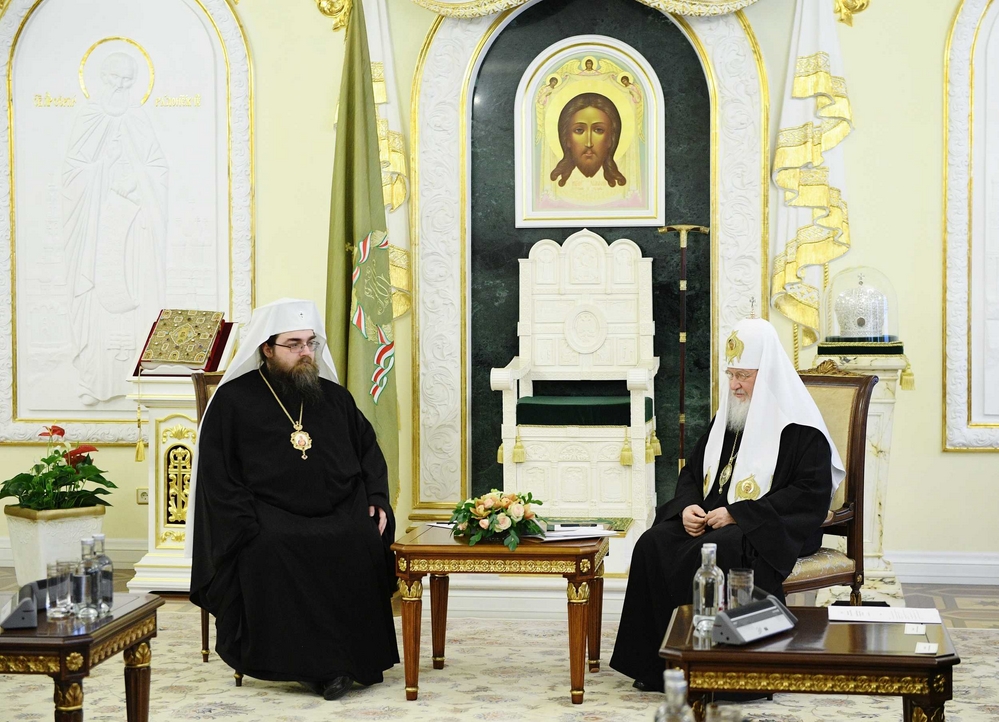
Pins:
x: 737, y: 412
x: 302, y: 379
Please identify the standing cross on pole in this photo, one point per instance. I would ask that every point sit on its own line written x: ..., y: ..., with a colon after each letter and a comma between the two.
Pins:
x: 683, y: 230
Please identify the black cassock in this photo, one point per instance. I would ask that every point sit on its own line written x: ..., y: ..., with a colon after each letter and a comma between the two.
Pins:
x: 769, y: 536
x: 285, y: 554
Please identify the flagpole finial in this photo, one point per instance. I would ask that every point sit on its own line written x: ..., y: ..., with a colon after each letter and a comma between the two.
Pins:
x: 339, y: 10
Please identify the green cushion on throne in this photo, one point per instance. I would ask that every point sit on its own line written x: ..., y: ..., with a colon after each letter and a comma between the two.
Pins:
x: 577, y: 410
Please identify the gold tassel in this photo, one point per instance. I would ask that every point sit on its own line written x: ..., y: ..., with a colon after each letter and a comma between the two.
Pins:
x: 657, y: 448
x: 140, y: 448
x: 627, y: 458
x: 908, y: 381
x: 499, y: 454
x: 519, y: 455
x: 650, y: 454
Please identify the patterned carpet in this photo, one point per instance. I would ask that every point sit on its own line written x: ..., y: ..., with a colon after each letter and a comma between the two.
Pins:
x: 495, y: 671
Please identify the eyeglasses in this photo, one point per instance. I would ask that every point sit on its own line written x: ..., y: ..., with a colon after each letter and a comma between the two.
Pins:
x: 299, y: 347
x: 740, y: 375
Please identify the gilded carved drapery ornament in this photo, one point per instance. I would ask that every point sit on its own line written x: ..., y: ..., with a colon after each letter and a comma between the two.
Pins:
x: 847, y: 8
x: 479, y: 8
x: 339, y: 10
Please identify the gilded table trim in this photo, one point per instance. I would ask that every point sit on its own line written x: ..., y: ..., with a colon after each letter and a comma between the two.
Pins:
x: 123, y: 639
x: 494, y: 566
x: 810, y: 682
x: 29, y: 663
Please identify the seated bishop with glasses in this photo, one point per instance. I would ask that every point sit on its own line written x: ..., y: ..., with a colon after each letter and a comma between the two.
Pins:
x: 291, y: 515
x: 758, y: 485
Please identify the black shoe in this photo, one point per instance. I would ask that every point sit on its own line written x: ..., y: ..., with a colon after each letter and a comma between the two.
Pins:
x: 338, y: 687
x: 645, y: 686
x: 316, y: 687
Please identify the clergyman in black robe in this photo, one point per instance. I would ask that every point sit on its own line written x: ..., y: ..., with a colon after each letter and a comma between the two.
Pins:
x: 287, y: 553
x: 767, y: 533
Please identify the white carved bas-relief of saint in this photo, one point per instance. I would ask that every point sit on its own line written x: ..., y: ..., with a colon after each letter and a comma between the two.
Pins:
x: 114, y: 205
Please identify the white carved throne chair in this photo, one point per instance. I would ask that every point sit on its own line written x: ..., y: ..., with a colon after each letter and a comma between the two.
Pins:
x: 585, y: 315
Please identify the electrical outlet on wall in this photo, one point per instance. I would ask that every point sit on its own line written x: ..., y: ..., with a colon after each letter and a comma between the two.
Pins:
x: 142, y: 495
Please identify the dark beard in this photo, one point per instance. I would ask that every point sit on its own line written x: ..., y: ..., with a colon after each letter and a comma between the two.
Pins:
x: 302, y: 380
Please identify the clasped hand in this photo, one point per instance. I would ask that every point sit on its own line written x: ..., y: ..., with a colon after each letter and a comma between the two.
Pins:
x: 695, y: 519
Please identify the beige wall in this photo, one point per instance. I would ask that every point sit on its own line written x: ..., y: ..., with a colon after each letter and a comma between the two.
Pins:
x: 894, y: 69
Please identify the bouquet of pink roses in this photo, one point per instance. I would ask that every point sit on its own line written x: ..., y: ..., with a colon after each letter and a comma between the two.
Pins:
x: 496, y: 514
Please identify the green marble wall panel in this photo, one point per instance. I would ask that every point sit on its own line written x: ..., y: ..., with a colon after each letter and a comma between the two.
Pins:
x: 495, y: 244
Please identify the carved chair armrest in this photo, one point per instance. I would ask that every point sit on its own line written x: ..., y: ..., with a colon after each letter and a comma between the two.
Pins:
x: 506, y: 378
x: 843, y: 514
x: 640, y: 377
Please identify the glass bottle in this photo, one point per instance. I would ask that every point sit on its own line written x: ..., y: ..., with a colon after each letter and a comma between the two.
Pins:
x: 675, y: 708
x: 84, y: 582
x: 709, y: 589
x: 105, y: 575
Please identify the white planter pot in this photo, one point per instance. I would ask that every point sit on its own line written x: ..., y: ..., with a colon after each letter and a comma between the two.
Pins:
x: 40, y: 537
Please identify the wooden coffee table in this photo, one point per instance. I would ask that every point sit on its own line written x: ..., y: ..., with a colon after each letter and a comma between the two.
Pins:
x: 822, y: 657
x: 67, y: 649
x: 433, y: 551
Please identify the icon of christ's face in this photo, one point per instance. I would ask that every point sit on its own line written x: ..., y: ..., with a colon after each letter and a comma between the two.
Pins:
x: 589, y: 140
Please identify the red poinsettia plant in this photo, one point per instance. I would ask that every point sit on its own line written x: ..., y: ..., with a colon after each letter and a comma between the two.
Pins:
x: 59, y: 479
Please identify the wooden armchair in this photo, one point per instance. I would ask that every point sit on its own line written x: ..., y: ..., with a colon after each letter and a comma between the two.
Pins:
x: 205, y: 384
x: 843, y: 399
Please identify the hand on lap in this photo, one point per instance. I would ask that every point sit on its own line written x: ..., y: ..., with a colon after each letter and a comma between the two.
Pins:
x: 693, y: 520
x: 717, y: 518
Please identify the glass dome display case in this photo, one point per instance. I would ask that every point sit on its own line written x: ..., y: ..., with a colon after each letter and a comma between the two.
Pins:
x: 860, y: 314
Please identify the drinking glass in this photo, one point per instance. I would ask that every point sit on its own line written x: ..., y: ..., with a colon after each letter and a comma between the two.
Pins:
x: 56, y: 581
x: 58, y: 603
x: 740, y: 587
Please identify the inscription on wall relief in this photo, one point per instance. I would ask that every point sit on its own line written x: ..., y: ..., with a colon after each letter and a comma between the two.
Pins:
x: 47, y: 100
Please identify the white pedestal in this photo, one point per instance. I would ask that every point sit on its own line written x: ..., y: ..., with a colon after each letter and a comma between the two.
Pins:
x: 169, y: 413
x: 882, y: 581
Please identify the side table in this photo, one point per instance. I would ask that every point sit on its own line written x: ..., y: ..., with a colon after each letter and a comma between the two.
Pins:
x: 67, y: 649
x: 432, y: 550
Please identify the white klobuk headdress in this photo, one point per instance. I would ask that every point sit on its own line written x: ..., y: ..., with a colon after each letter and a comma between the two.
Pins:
x: 779, y: 398
x: 286, y: 314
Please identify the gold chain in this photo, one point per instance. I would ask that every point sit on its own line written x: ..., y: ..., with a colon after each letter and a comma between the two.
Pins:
x: 296, y: 424
x: 731, y: 454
